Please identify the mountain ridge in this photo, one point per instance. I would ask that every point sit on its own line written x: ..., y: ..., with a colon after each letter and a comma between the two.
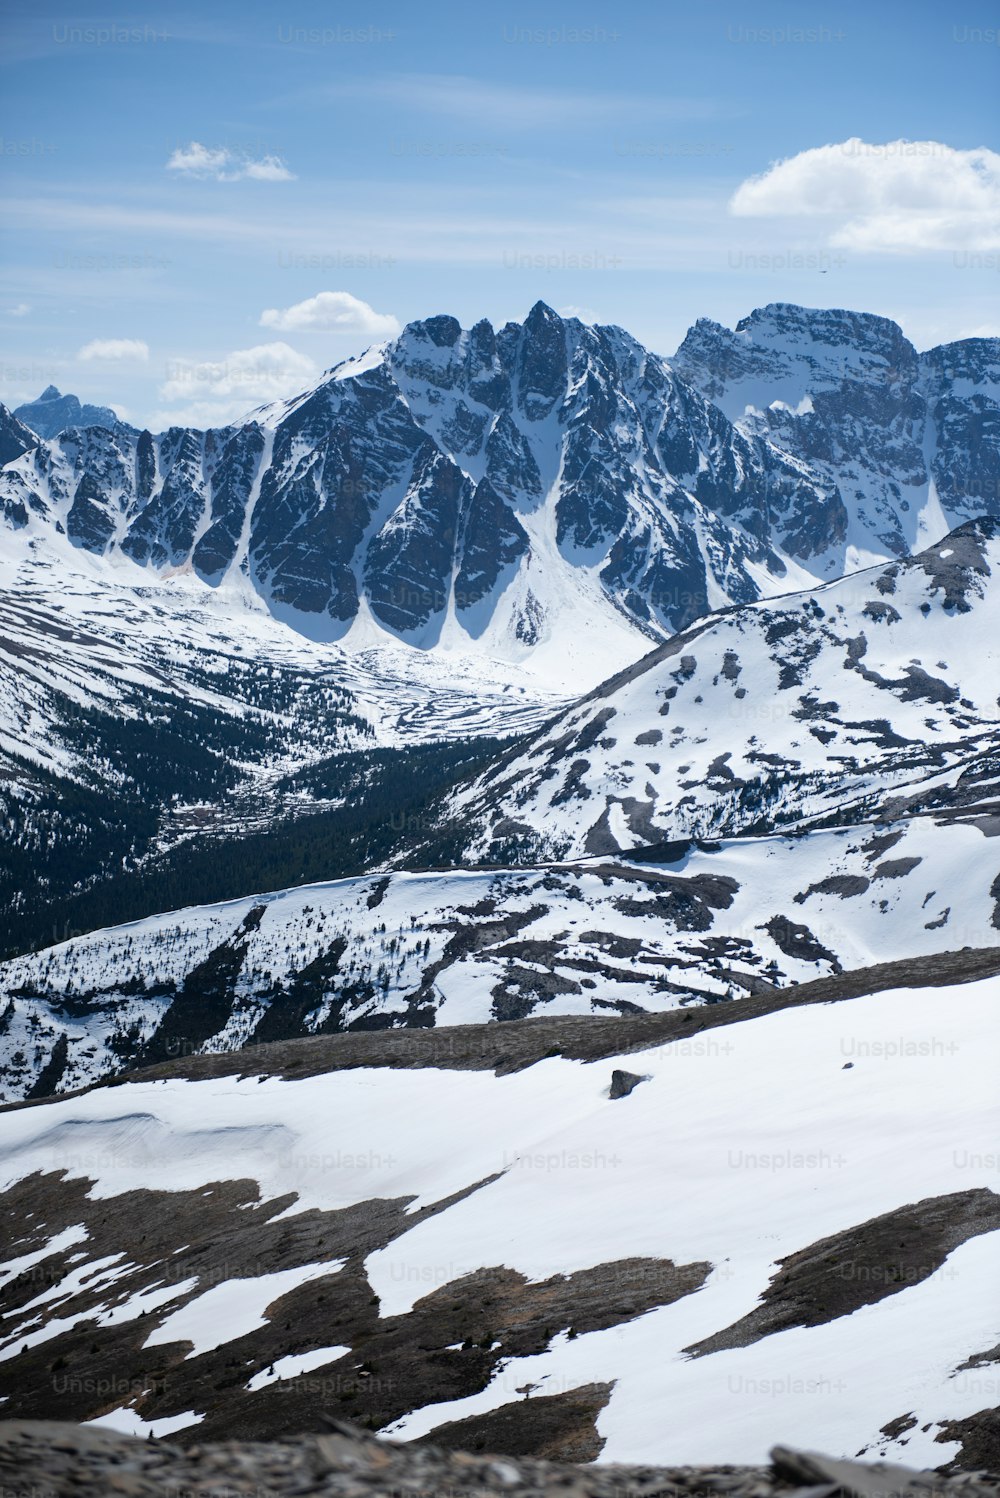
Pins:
x: 826, y: 700
x: 507, y: 492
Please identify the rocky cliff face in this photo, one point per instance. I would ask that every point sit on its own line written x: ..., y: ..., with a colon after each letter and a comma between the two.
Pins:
x: 488, y: 478
x: 547, y: 480
x: 905, y: 444
x: 961, y: 382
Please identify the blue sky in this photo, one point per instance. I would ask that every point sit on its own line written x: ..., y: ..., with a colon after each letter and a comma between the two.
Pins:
x: 205, y: 208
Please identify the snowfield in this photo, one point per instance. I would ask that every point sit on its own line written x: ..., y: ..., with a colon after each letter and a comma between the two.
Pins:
x: 733, y: 1152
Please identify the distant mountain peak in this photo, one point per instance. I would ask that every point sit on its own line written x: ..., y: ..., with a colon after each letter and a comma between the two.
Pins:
x: 54, y: 412
x: 834, y: 325
x: 896, y: 434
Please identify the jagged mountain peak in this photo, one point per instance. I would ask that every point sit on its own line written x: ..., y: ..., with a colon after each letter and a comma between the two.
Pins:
x: 541, y: 315
x: 443, y: 331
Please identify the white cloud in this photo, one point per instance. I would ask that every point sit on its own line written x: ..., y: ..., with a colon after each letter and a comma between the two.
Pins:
x: 268, y: 169
x: 216, y: 392
x: 903, y: 196
x: 331, y: 311
x: 197, y: 159
x: 20, y: 309
x: 225, y: 165
x: 585, y: 314
x: 115, y: 349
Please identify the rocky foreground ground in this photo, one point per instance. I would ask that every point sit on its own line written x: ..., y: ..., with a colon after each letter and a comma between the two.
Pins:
x: 47, y: 1459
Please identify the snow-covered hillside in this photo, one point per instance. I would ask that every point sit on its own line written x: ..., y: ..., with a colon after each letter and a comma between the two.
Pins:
x: 80, y: 635
x: 842, y: 743
x: 635, y: 1094
x: 138, y: 715
x: 863, y: 698
x: 791, y: 1218
x: 703, y: 925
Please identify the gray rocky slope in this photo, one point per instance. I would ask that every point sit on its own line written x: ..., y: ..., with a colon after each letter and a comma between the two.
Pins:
x: 59, y: 1460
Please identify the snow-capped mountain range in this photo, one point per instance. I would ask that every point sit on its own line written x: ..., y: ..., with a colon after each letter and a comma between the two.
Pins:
x: 646, y: 1065
x: 453, y: 535
x: 550, y: 491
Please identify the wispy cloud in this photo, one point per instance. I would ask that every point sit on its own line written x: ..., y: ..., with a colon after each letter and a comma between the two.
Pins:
x: 516, y: 107
x: 19, y: 309
x: 584, y: 314
x: 220, y: 164
x: 900, y: 197
x: 332, y: 311
x: 422, y: 224
x: 115, y: 350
